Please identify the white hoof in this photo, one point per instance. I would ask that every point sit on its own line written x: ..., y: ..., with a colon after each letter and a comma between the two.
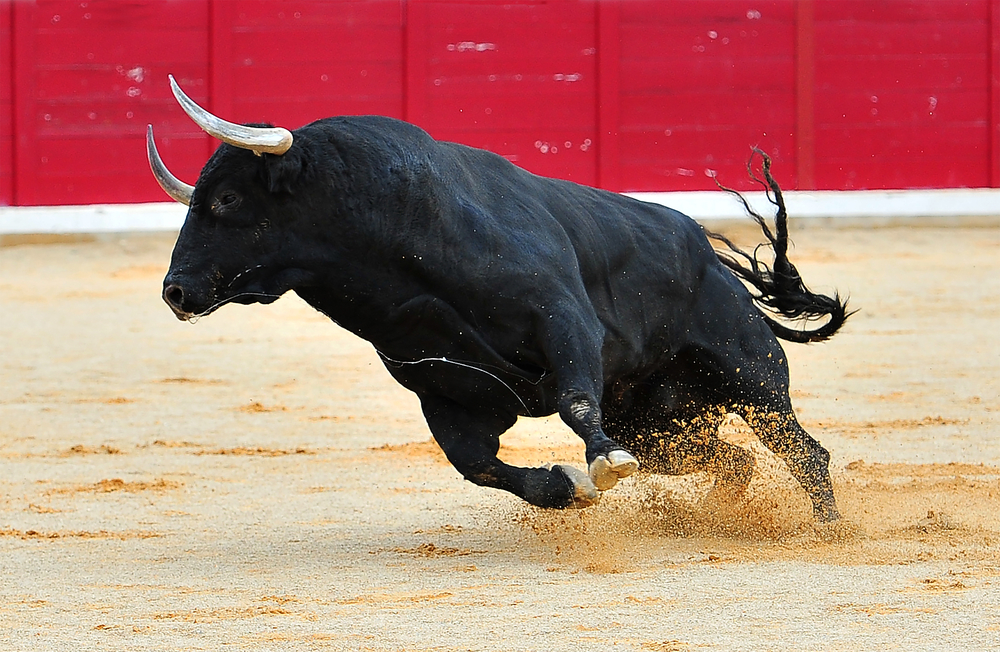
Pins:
x: 585, y: 493
x: 605, y: 472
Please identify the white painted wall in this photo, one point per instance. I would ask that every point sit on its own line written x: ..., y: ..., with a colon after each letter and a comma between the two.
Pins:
x: 876, y: 205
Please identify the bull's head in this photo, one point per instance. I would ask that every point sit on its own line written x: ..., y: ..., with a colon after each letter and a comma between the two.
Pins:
x: 225, y: 251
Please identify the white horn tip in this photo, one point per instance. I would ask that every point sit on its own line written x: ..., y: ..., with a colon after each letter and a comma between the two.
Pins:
x: 273, y: 140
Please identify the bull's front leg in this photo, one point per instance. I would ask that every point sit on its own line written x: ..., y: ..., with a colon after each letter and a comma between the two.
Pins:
x: 575, y: 354
x: 607, y: 460
x: 470, y: 440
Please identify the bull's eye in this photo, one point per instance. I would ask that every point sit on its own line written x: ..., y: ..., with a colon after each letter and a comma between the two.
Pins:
x: 225, y: 202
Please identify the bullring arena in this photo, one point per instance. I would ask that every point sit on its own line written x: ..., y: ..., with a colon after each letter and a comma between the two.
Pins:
x: 257, y: 480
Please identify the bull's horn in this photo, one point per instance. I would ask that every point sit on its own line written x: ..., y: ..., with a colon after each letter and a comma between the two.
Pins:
x: 273, y: 140
x: 171, y: 185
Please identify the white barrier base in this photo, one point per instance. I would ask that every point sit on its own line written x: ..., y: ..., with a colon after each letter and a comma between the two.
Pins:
x: 958, y: 202
x: 96, y: 218
x: 877, y: 205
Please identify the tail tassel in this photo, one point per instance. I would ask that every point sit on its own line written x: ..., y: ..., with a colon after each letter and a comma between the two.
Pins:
x: 779, y: 290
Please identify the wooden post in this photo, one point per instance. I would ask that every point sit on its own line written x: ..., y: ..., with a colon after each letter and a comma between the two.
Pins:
x: 805, y: 76
x: 993, y: 16
x: 608, y: 94
x: 8, y: 170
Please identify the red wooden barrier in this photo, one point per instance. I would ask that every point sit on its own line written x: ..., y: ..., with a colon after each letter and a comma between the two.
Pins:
x: 519, y: 79
x: 290, y: 63
x: 624, y: 94
x: 89, y: 77
x: 902, y: 93
x: 993, y: 20
x: 6, y: 105
x: 694, y: 86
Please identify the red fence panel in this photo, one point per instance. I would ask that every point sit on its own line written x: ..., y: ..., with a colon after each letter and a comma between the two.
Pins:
x: 993, y: 20
x: 293, y: 62
x: 625, y: 94
x: 517, y: 78
x: 902, y: 93
x: 89, y: 77
x: 699, y: 83
x: 6, y: 104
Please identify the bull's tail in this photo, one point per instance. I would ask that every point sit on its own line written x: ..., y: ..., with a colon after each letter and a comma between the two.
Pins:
x: 780, y: 290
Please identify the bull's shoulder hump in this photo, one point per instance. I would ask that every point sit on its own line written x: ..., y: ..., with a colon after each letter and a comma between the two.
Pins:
x: 372, y: 133
x: 366, y: 123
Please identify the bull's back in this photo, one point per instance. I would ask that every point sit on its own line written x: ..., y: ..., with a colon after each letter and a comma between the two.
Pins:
x: 640, y: 265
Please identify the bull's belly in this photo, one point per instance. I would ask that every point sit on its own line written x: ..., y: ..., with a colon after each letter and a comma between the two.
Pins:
x: 476, y: 386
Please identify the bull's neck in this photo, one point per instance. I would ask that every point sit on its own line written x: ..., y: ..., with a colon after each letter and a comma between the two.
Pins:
x: 365, y: 315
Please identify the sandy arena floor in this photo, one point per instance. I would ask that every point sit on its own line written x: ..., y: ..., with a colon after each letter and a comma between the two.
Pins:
x: 257, y: 481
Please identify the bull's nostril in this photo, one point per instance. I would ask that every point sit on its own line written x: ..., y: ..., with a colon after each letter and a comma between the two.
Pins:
x: 174, y: 296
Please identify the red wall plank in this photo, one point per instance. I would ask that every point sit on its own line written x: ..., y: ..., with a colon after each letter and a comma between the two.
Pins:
x: 336, y: 14
x: 911, y: 38
x: 695, y: 12
x: 630, y: 94
x: 902, y: 94
x: 290, y: 63
x: 700, y: 84
x: 898, y: 11
x: 519, y: 79
x: 90, y: 76
x: 6, y: 104
x: 609, y: 95
x: 805, y: 94
x: 993, y: 20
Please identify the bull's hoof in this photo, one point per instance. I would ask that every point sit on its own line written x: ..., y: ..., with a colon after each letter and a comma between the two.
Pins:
x: 826, y: 512
x: 606, y: 471
x: 585, y: 493
x: 838, y: 531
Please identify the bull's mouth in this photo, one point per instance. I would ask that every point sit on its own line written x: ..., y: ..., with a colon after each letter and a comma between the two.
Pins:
x: 254, y: 286
x: 245, y: 297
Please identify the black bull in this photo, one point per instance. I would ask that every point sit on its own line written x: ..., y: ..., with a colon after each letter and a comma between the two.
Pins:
x: 493, y: 293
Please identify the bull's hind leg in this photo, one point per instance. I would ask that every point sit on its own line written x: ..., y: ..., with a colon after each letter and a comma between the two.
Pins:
x: 471, y: 440
x: 735, y: 357
x: 758, y: 387
x: 690, y: 442
x: 779, y: 430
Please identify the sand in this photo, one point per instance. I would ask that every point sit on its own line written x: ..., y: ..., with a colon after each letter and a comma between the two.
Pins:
x: 257, y: 481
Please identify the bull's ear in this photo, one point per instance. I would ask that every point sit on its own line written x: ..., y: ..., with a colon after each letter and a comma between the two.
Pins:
x: 284, y: 172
